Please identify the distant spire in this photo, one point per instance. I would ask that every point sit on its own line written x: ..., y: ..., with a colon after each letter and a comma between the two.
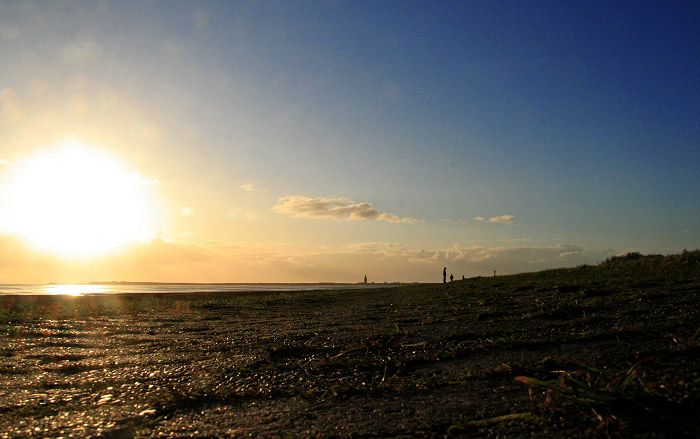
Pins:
x: 365, y: 277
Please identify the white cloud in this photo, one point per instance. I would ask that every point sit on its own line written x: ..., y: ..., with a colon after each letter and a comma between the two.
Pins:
x: 568, y: 254
x: 508, y: 219
x: 479, y: 218
x: 334, y: 208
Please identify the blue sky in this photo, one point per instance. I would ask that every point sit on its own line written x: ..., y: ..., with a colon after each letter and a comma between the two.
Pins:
x: 577, y: 123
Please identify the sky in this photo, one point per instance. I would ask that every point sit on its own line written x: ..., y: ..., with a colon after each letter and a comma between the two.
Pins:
x: 321, y: 141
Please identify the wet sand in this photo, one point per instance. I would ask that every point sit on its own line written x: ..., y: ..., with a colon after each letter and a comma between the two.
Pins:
x: 414, y: 361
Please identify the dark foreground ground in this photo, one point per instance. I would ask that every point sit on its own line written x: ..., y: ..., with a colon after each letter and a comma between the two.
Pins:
x: 597, y: 351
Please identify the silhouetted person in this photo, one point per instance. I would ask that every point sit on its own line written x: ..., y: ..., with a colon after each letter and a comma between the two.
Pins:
x: 451, y: 278
x: 444, y: 275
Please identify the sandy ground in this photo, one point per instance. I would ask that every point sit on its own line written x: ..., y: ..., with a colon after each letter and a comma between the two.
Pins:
x: 420, y: 361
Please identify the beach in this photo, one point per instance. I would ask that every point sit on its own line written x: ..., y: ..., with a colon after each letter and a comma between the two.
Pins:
x: 590, y: 351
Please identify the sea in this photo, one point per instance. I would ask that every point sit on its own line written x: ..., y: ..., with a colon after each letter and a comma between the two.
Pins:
x: 175, y: 288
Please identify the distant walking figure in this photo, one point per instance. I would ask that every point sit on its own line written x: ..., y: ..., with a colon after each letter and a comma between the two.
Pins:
x: 451, y: 278
x: 444, y: 275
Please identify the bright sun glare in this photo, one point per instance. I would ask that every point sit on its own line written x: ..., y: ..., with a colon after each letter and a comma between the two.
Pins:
x: 76, y: 201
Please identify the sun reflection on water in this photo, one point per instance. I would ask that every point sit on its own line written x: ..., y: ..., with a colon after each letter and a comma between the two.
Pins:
x: 74, y: 290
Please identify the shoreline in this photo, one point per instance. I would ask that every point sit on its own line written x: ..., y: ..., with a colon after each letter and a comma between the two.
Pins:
x: 180, y: 288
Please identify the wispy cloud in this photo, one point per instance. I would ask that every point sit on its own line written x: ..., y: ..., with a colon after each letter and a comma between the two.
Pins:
x: 507, y: 219
x: 334, y: 208
x: 251, y: 188
x: 450, y: 220
x: 386, y: 248
x: 513, y: 259
x: 195, y: 260
x: 4, y: 162
x: 237, y: 213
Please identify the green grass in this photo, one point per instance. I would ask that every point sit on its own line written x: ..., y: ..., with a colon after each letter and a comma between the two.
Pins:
x: 619, y: 398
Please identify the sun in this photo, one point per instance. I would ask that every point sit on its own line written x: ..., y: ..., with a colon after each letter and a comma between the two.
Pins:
x: 75, y: 200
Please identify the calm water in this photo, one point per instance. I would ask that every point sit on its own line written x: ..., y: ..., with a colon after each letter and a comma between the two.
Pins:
x: 81, y: 289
